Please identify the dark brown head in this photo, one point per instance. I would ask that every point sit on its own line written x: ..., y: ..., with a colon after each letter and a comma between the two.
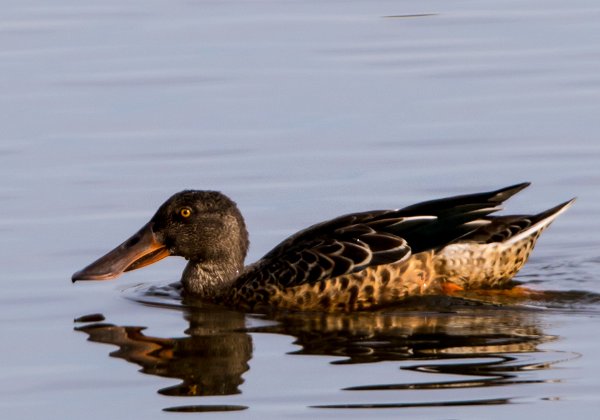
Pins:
x: 201, y: 226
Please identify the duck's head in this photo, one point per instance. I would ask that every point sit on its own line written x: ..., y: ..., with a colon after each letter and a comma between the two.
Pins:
x: 204, y: 227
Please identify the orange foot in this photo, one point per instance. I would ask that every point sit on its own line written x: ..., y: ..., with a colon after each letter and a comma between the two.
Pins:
x: 450, y: 289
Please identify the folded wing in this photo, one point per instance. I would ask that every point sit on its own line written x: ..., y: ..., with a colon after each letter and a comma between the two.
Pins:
x: 351, y: 243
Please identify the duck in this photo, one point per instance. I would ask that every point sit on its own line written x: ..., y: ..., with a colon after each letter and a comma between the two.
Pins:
x: 355, y: 262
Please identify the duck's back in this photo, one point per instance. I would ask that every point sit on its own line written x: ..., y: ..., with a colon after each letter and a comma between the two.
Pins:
x: 371, y: 259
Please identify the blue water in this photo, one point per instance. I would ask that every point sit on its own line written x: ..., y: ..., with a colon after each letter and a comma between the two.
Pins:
x: 299, y: 111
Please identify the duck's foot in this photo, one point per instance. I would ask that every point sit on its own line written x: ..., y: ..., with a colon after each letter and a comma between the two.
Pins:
x: 451, y: 289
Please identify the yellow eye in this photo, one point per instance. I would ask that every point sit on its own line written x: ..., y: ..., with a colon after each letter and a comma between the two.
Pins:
x: 185, y: 212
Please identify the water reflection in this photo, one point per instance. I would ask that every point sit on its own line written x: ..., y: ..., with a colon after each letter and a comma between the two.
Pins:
x: 413, y: 335
x: 487, y: 345
x: 210, y: 359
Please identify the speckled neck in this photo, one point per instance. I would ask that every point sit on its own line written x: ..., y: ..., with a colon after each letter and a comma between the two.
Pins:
x: 210, y: 280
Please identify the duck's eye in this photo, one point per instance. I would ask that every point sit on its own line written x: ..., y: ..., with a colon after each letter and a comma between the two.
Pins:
x: 185, y: 212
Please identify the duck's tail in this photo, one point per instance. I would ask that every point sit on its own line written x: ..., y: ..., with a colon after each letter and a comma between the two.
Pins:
x: 494, y: 253
x: 538, y: 223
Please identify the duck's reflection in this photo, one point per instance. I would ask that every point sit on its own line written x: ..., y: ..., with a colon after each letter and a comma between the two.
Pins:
x: 210, y: 359
x: 489, y: 346
x: 413, y: 335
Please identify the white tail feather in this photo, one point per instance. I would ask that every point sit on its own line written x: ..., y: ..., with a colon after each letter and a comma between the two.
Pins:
x: 539, y: 226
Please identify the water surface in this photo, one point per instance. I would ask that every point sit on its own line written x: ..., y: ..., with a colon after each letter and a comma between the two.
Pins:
x: 300, y: 111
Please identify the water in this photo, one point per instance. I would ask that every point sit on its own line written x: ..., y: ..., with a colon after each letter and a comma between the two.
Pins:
x: 300, y: 111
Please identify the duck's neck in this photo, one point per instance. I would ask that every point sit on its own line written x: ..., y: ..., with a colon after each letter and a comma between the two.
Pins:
x: 210, y: 279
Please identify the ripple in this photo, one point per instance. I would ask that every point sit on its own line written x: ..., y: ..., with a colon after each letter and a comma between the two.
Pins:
x: 168, y: 296
x: 490, y: 401
x: 205, y: 408
x: 495, y: 370
x: 89, y: 318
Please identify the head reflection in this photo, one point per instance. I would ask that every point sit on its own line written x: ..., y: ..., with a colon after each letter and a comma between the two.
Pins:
x: 210, y: 359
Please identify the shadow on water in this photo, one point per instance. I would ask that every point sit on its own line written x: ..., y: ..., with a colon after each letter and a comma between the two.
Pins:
x: 487, y: 345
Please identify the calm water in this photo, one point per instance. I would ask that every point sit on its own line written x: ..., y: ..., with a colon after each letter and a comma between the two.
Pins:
x: 300, y: 111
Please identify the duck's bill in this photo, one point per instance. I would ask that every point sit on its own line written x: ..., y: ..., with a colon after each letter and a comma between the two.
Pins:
x: 140, y: 250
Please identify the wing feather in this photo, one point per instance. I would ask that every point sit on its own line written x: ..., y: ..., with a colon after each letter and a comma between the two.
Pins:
x: 351, y: 243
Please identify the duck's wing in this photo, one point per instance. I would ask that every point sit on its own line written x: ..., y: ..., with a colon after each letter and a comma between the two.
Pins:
x: 458, y: 216
x: 342, y: 250
x: 356, y: 241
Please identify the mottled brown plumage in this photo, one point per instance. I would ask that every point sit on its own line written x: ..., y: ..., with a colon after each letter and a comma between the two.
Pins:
x: 354, y: 262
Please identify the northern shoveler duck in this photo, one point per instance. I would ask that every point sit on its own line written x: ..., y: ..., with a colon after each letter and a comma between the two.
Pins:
x: 353, y: 262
